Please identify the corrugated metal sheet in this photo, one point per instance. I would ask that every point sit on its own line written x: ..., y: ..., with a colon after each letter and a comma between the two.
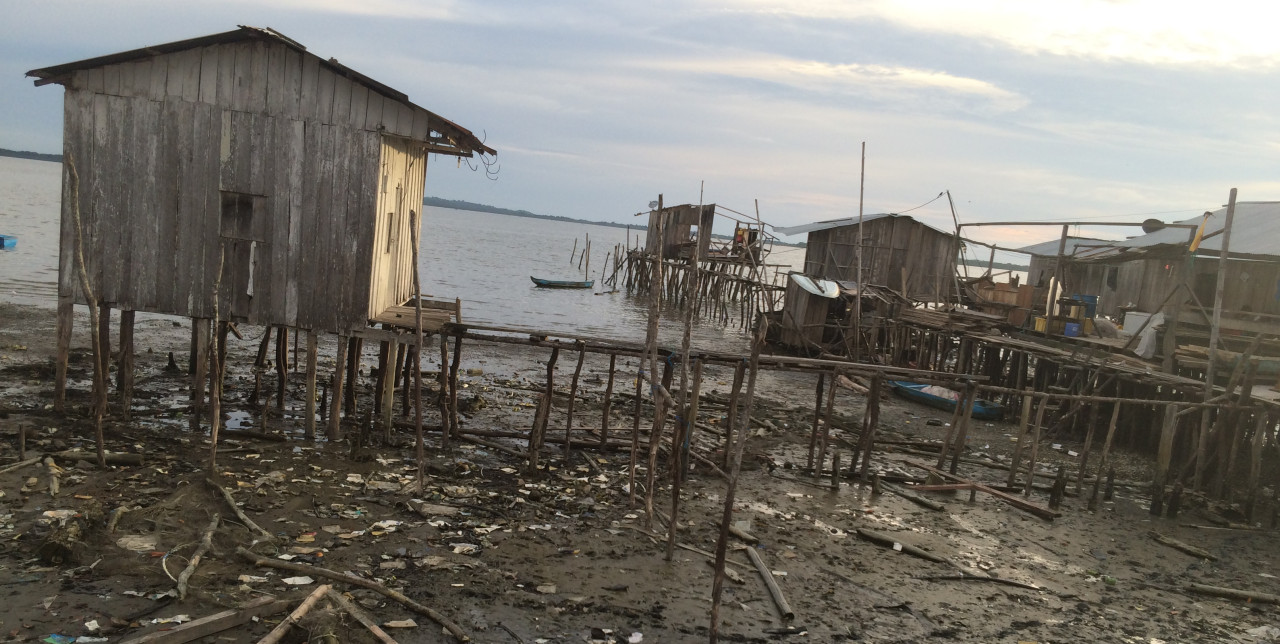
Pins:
x: 463, y: 142
x: 1254, y: 232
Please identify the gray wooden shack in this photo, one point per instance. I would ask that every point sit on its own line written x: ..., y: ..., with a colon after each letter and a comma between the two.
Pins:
x: 685, y: 225
x: 242, y: 160
x: 906, y: 255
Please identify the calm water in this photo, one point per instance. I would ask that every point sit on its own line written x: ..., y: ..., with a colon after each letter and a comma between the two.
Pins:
x: 483, y: 258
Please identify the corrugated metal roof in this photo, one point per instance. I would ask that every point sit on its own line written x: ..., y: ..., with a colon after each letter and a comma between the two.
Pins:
x: 1255, y: 234
x: 464, y: 140
x: 1050, y: 248
x: 1255, y: 230
x: 843, y: 221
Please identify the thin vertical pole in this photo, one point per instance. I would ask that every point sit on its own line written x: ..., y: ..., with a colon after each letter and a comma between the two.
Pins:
x: 310, y: 427
x: 857, y: 302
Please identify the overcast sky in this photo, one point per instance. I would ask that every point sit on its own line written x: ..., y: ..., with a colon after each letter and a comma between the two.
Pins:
x: 1064, y: 110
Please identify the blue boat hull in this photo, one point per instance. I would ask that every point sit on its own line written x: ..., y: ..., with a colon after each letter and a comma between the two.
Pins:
x: 8, y: 242
x: 982, y: 409
x: 561, y: 283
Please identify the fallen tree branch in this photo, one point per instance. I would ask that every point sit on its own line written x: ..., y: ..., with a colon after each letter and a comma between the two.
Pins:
x: 205, y: 543
x: 265, y: 536
x: 912, y: 497
x: 994, y: 580
x: 430, y: 613
x: 1184, y: 547
x: 19, y: 465
x: 112, y: 458
x: 361, y: 616
x: 298, y: 613
x: 1232, y: 593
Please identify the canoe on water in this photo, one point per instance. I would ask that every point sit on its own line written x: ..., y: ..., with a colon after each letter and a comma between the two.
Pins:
x: 561, y: 283
x: 8, y: 242
x: 982, y: 409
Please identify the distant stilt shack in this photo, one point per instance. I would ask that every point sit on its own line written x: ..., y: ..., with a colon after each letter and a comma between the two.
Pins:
x: 902, y: 259
x: 243, y: 160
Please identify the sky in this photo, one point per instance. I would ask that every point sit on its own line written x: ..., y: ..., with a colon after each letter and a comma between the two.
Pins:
x: 1082, y: 110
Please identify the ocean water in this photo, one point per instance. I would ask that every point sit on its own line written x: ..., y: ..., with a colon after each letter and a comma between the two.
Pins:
x: 485, y: 259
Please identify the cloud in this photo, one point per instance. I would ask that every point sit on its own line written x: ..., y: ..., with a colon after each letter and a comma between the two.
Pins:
x: 880, y: 81
x: 1231, y: 33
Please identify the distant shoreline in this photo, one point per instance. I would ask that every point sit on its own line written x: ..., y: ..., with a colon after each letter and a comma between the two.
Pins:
x: 643, y: 224
x: 33, y: 156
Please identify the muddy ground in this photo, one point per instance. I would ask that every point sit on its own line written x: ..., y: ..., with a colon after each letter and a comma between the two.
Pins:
x: 560, y: 555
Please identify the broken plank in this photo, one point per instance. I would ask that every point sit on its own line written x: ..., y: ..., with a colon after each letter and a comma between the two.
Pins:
x: 1180, y: 545
x: 216, y: 623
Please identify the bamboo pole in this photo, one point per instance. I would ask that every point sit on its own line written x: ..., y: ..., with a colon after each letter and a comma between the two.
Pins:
x: 573, y: 396
x: 735, y: 470
x: 420, y: 451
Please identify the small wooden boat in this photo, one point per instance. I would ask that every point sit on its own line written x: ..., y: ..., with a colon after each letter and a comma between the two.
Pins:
x: 8, y: 242
x: 982, y: 409
x: 541, y: 283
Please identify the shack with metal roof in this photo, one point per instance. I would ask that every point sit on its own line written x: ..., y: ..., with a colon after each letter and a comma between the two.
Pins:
x: 242, y: 177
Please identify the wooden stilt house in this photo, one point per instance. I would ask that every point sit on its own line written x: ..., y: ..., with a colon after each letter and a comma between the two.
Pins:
x: 241, y: 163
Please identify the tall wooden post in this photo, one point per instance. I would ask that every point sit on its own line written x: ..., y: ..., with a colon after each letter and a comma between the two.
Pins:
x: 200, y: 356
x: 124, y: 372
x: 310, y: 427
x: 1168, y: 433
x: 104, y: 341
x: 608, y: 400
x: 869, y: 427
x: 282, y: 365
x: 66, y: 319
x: 335, y: 409
x: 817, y: 417
x: 573, y: 397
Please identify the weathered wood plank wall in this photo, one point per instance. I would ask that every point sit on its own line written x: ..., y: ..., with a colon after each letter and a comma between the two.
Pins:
x: 249, y: 151
x: 890, y: 245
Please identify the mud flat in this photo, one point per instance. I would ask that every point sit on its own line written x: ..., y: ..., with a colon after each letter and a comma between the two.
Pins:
x: 560, y: 555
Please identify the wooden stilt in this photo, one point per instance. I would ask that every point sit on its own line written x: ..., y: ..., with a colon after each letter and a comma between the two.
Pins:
x: 339, y: 369
x: 124, y: 372
x: 355, y: 351
x: 282, y: 365
x: 1168, y: 433
x: 573, y: 397
x: 956, y: 417
x: 962, y: 434
x: 408, y: 358
x: 543, y: 418
x: 379, y: 387
x: 739, y: 372
x: 1255, y: 465
x: 635, y: 436
x: 817, y: 418
x: 453, y: 385
x: 825, y: 435
x: 442, y: 401
x: 608, y: 400
x: 869, y: 427
x: 104, y: 341
x: 310, y: 425
x: 200, y: 356
x: 1035, y: 447
x: 386, y: 412
x: 1104, y: 461
x: 1025, y: 419
x: 66, y: 324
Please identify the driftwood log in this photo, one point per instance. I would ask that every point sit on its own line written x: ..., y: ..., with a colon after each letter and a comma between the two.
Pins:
x: 263, y: 535
x: 298, y: 613
x: 205, y: 543
x: 1184, y: 547
x: 886, y: 540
